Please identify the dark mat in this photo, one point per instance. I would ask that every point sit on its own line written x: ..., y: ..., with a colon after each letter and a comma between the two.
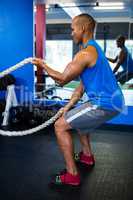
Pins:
x: 26, y: 164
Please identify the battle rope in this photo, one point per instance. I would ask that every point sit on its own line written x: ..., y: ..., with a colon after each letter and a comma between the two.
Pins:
x: 33, y: 130
x: 18, y: 65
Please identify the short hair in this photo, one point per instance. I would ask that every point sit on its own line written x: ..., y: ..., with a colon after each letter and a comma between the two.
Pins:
x: 87, y: 18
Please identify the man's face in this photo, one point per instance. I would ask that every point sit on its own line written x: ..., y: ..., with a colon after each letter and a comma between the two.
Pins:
x: 77, y: 33
x: 119, y: 42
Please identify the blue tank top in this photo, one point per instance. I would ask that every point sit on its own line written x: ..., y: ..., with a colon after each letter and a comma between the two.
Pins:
x: 127, y: 65
x: 100, y: 84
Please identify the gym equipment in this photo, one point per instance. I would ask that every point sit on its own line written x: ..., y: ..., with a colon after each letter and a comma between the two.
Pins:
x: 12, y: 95
x: 56, y: 98
x: 7, y: 83
x: 11, y: 100
x: 2, y: 108
x: 31, y: 115
x: 6, y: 80
x: 32, y: 130
x: 17, y: 66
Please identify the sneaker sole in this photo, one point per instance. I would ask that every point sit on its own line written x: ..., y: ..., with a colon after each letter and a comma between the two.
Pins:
x: 63, y: 186
x: 85, y: 164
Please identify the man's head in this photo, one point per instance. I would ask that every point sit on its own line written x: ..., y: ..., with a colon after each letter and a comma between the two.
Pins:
x: 120, y: 41
x: 82, y: 25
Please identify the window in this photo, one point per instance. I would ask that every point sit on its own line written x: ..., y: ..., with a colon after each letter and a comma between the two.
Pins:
x: 111, y: 52
x: 59, y: 53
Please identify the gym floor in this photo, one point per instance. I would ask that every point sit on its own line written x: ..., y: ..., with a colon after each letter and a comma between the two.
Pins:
x: 27, y: 163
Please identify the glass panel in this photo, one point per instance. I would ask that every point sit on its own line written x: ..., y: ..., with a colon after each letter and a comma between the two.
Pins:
x: 58, y: 55
x: 112, y: 52
x: 101, y: 43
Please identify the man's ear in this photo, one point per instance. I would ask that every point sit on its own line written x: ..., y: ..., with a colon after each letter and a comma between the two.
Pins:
x: 83, y: 28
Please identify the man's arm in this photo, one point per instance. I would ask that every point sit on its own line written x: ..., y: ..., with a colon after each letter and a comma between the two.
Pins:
x: 83, y: 59
x: 77, y: 94
x: 72, y: 70
x: 121, y: 59
x: 113, y: 60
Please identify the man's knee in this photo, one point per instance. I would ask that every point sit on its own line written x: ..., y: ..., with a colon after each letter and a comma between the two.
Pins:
x: 61, y: 124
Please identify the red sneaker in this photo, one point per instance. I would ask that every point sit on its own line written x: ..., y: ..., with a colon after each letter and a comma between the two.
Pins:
x: 66, y: 179
x: 85, y: 159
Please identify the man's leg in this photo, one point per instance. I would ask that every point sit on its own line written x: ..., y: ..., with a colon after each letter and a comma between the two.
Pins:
x: 85, y: 156
x: 85, y: 142
x: 64, y: 138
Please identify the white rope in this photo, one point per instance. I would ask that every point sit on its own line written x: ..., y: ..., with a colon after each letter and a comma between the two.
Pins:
x: 18, y: 65
x: 33, y: 130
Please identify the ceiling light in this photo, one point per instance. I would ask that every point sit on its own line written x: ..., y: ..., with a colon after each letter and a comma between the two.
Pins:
x: 110, y: 4
x: 34, y: 9
x: 108, y: 8
x: 72, y: 11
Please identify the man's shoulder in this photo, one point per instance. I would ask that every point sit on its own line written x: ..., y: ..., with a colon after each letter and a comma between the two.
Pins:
x: 123, y: 52
x: 89, y: 50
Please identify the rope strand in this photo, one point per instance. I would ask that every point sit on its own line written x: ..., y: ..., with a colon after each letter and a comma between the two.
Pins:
x: 33, y: 130
x: 38, y: 128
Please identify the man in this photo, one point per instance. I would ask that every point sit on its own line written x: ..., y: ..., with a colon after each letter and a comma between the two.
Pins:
x: 124, y: 60
x: 105, y: 98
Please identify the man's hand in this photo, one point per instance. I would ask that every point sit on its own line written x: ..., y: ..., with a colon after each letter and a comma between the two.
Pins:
x: 38, y: 62
x: 64, y: 110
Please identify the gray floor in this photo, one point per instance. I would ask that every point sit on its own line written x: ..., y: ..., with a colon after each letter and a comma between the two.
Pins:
x: 26, y: 164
